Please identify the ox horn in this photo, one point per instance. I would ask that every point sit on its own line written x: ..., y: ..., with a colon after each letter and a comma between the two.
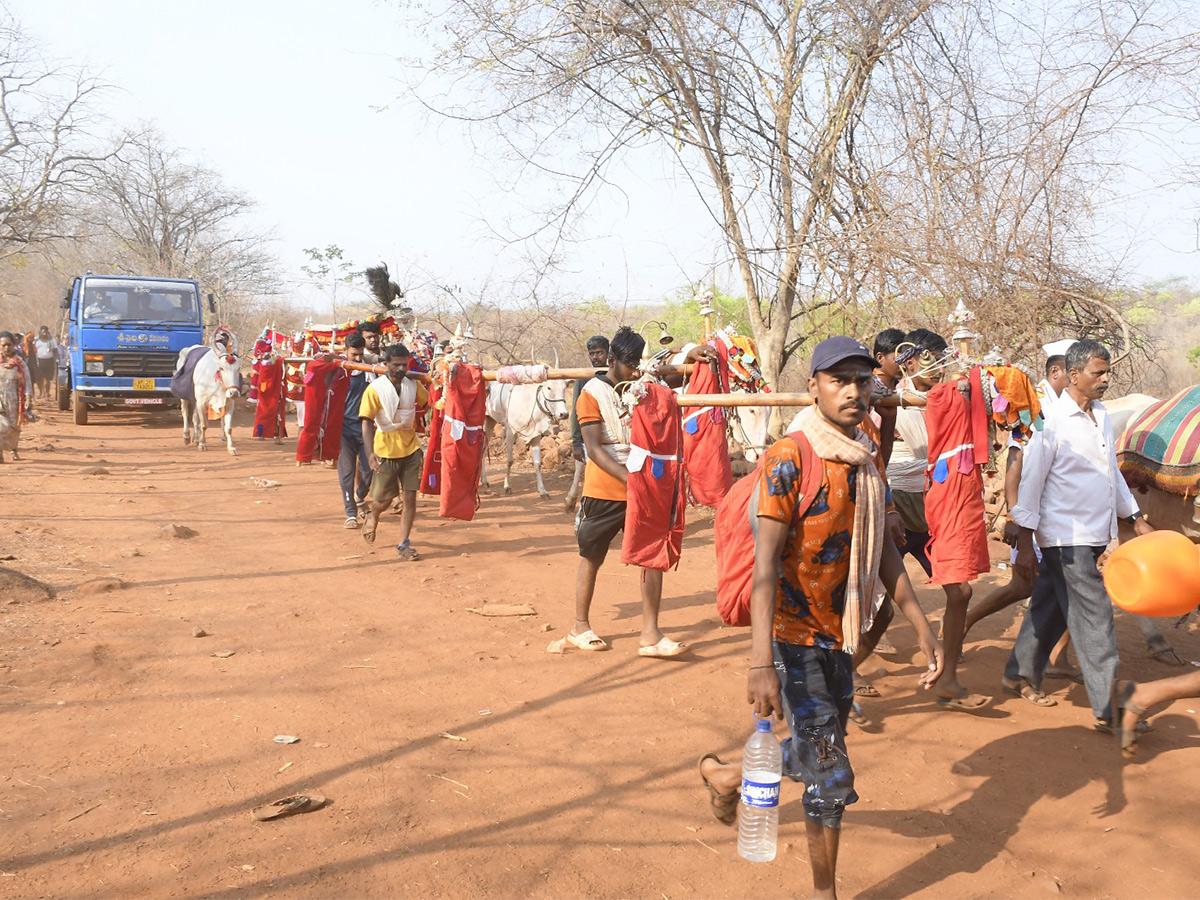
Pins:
x: 556, y: 363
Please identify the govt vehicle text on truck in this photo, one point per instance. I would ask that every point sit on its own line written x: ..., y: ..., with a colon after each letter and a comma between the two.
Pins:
x: 124, y: 337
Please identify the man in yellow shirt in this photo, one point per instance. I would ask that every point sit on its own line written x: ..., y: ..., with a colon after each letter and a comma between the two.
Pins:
x: 388, y: 414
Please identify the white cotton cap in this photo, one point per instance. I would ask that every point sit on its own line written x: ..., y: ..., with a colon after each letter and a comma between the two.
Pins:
x: 1058, y: 348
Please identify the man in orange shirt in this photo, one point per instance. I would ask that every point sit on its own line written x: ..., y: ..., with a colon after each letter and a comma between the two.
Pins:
x: 604, y: 422
x: 812, y: 591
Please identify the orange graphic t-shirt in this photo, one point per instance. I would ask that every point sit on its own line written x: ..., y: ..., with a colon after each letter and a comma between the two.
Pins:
x: 815, y: 565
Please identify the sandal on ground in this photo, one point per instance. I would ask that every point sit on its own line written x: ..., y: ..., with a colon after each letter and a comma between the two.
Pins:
x: 967, y: 702
x: 351, y: 522
x: 858, y: 717
x: 289, y: 806
x: 370, y: 523
x: 724, y: 806
x: 407, y: 552
x: 865, y: 689
x: 1167, y: 656
x: 1027, y: 691
x: 664, y: 649
x: 1121, y: 698
x: 589, y: 640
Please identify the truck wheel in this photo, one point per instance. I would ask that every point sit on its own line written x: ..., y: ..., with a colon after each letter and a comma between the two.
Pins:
x: 64, y: 399
x: 80, y: 408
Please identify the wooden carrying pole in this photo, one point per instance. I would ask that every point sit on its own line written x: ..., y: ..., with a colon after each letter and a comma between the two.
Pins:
x: 686, y: 400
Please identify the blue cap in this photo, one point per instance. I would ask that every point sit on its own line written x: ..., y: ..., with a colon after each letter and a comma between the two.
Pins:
x: 763, y: 725
x: 832, y: 351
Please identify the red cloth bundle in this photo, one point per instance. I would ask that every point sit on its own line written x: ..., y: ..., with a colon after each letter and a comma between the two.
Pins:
x: 268, y: 415
x: 958, y: 549
x: 325, y: 386
x: 462, y: 442
x: 705, y: 446
x: 655, y: 496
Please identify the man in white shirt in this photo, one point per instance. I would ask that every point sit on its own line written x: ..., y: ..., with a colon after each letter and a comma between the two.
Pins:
x: 1071, y: 494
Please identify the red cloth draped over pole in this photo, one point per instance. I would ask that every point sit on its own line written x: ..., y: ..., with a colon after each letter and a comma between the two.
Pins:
x: 462, y: 442
x: 325, y: 385
x: 705, y: 445
x: 269, y: 414
x: 958, y: 446
x: 655, y: 494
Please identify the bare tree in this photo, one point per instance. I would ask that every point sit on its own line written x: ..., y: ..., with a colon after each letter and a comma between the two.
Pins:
x: 864, y: 160
x: 154, y: 212
x: 46, y: 144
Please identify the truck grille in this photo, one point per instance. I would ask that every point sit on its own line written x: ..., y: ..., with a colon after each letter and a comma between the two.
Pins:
x: 128, y: 363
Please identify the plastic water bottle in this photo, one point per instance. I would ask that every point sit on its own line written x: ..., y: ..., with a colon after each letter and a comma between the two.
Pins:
x: 762, y: 771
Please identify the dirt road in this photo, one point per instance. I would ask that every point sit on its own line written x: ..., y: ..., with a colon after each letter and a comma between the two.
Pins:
x: 135, y: 751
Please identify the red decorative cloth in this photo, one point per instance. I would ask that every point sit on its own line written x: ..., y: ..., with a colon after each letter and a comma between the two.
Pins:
x: 958, y: 550
x: 431, y: 473
x: 462, y: 442
x: 654, y: 493
x: 325, y: 386
x: 268, y: 415
x: 705, y: 446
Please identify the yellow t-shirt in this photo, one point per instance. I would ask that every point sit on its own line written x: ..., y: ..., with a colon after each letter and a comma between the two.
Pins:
x: 392, y: 444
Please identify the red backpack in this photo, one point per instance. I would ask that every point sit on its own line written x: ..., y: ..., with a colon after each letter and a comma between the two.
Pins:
x: 734, y: 529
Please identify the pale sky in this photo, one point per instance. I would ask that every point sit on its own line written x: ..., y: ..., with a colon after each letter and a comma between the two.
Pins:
x: 280, y: 98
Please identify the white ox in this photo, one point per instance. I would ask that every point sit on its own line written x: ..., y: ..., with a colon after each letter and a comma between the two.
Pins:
x: 216, y: 381
x: 528, y: 412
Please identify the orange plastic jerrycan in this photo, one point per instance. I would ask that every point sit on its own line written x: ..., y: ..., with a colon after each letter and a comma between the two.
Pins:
x: 1157, y: 574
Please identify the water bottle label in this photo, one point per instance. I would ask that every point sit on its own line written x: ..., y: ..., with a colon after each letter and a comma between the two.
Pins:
x: 761, y: 794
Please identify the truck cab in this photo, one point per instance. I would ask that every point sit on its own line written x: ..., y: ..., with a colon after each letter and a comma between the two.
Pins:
x: 124, y: 335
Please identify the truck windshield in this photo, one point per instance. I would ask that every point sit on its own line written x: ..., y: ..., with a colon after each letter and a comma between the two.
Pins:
x: 113, y: 300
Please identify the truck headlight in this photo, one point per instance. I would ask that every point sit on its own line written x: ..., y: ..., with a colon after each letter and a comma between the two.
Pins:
x: 96, y: 368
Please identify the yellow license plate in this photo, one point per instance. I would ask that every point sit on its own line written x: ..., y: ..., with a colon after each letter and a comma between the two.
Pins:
x: 143, y: 384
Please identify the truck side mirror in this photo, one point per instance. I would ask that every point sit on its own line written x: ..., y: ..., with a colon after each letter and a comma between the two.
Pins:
x: 64, y: 301
x: 212, y: 304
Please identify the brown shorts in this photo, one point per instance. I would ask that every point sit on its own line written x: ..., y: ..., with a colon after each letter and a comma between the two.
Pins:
x: 396, y: 475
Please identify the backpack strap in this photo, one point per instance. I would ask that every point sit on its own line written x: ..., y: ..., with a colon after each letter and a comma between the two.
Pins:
x: 812, y: 471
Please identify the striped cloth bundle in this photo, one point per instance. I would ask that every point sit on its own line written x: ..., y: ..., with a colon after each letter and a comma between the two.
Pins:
x: 1161, y: 447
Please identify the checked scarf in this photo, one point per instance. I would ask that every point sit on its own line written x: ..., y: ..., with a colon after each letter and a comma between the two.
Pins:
x: 866, y: 541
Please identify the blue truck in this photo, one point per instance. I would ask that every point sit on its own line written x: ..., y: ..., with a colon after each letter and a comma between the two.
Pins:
x: 124, y: 336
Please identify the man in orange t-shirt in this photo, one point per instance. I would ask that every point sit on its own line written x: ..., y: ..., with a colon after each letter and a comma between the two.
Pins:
x: 604, y: 424
x: 799, y: 671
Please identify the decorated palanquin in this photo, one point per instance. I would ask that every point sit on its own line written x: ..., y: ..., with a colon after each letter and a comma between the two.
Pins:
x: 741, y: 354
x: 1161, y: 447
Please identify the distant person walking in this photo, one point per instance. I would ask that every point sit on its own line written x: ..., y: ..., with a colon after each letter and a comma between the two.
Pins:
x: 45, y: 362
x: 16, y: 394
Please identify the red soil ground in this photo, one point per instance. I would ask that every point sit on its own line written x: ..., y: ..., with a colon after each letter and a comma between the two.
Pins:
x: 134, y: 755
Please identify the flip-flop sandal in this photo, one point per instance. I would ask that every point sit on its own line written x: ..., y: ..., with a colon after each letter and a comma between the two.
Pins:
x: 1121, y: 698
x: 858, y: 717
x: 370, y: 524
x: 289, y: 806
x: 589, y: 640
x: 724, y: 806
x: 664, y: 649
x: 865, y: 689
x: 1167, y: 656
x: 1027, y: 691
x: 967, y: 703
